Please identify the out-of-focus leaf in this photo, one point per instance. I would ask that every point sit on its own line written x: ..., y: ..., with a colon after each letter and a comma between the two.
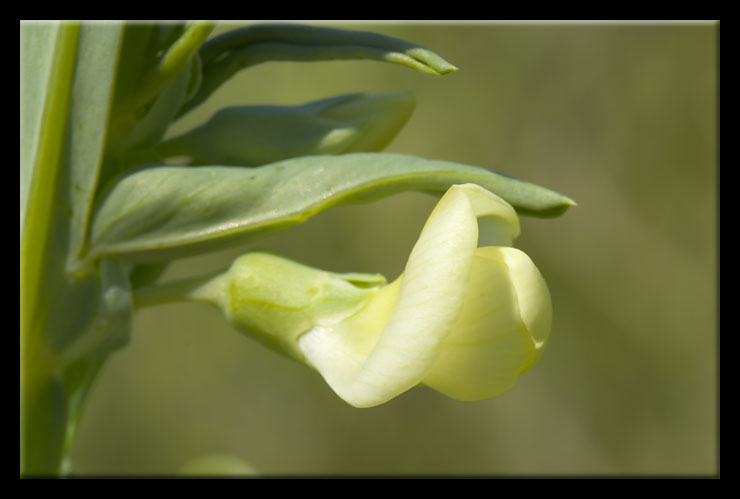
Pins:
x: 225, y: 55
x: 161, y: 212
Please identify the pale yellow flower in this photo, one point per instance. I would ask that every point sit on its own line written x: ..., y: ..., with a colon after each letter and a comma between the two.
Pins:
x: 464, y: 319
x: 461, y: 319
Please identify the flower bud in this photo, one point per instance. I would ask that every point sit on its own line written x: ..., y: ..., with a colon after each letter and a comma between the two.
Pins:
x: 257, y: 135
x: 275, y: 300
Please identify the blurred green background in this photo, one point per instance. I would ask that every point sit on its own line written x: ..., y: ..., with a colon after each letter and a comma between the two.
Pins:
x: 623, y: 118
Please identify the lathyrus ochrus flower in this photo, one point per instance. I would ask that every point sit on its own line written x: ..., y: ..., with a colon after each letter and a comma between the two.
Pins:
x: 467, y: 316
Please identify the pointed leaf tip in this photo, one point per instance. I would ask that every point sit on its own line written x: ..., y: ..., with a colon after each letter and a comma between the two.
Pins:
x: 158, y: 213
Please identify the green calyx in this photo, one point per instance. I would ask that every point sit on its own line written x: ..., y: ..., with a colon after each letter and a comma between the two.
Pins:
x: 276, y: 300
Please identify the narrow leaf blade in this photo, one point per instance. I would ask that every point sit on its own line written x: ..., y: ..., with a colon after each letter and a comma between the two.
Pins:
x: 161, y: 212
x: 92, y: 99
x: 225, y: 55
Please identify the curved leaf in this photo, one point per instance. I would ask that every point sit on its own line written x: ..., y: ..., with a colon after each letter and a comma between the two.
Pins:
x: 225, y: 55
x: 258, y: 135
x: 161, y: 212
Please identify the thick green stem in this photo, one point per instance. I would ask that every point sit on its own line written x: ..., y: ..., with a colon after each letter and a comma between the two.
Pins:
x: 42, y: 418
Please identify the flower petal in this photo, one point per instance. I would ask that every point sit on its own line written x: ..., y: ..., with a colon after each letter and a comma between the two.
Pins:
x: 535, y: 304
x: 501, y: 330
x: 429, y: 299
x: 498, y: 224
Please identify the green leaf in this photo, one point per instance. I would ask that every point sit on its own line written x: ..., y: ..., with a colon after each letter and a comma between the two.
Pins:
x: 162, y: 110
x: 38, y: 65
x: 92, y: 96
x: 161, y: 212
x: 137, y: 57
x: 225, y: 55
x: 257, y: 135
x: 177, y: 57
x: 48, y: 52
x: 159, y: 70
